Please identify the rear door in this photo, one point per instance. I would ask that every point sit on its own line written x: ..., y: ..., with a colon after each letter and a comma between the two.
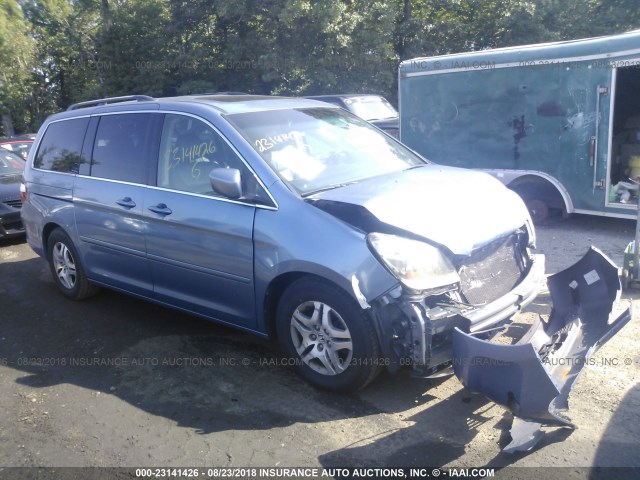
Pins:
x: 199, y: 244
x: 109, y: 198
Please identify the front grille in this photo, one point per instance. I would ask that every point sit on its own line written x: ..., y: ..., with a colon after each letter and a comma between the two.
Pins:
x: 495, y: 269
x: 13, y: 203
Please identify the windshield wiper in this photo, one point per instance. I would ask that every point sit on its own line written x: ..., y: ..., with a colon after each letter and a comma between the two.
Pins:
x: 415, y: 166
x: 382, y: 118
x: 330, y: 187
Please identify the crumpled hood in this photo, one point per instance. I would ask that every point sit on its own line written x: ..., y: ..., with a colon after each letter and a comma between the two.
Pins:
x: 458, y: 208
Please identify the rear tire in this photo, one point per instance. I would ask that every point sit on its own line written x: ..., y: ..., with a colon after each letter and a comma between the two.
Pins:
x: 68, y: 273
x: 328, y: 335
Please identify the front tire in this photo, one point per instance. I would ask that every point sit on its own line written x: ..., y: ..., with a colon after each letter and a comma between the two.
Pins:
x: 64, y: 262
x: 330, y: 338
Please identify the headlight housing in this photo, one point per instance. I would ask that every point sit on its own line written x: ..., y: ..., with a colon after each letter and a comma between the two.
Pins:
x: 418, y: 265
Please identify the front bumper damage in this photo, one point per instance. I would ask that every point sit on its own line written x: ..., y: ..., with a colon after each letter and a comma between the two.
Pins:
x: 533, y: 378
x: 418, y: 332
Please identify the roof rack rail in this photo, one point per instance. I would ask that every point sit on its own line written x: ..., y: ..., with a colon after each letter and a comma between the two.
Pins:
x: 106, y: 101
x: 221, y: 93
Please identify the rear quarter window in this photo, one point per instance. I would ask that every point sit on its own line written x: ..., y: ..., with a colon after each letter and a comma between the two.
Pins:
x: 61, y: 147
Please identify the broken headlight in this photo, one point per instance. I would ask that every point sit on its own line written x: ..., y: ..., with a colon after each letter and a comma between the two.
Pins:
x: 418, y: 265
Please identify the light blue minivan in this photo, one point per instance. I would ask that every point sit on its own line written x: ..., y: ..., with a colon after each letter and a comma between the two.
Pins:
x: 288, y: 218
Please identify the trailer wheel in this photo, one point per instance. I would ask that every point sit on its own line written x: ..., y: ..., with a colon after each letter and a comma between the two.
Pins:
x: 538, y: 209
x: 540, y: 196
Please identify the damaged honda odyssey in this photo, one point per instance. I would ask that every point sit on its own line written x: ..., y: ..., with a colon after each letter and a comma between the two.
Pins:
x: 287, y: 218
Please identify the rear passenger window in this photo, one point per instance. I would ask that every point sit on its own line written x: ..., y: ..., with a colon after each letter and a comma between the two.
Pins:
x: 122, y: 147
x: 61, y: 147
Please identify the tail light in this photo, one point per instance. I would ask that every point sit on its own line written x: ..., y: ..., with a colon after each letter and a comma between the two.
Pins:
x: 23, y: 193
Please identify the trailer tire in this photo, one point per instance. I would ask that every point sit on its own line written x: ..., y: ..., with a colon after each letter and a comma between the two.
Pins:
x: 538, y: 209
x: 540, y: 196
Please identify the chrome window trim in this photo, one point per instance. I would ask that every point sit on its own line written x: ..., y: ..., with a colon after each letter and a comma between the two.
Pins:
x: 197, y: 117
x: 222, y: 199
x: 110, y: 180
x: 153, y: 187
x: 215, y: 129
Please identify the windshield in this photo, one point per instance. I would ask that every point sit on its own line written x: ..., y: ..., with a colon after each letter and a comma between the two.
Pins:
x: 320, y: 148
x: 371, y: 108
x: 10, y: 164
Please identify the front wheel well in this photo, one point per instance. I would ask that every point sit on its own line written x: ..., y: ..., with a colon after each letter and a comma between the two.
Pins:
x: 274, y: 293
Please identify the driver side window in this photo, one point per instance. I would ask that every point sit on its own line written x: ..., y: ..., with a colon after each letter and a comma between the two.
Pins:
x: 189, y: 150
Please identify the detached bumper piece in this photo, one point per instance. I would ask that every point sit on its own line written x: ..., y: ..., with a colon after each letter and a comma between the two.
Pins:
x: 534, y: 377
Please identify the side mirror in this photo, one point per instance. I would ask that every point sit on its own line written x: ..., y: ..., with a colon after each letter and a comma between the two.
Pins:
x: 226, y: 182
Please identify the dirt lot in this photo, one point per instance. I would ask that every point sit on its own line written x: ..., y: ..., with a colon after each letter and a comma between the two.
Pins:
x: 115, y: 381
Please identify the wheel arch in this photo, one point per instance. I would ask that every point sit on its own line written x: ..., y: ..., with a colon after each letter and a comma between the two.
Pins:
x: 544, y: 186
x: 277, y: 287
x: 46, y: 233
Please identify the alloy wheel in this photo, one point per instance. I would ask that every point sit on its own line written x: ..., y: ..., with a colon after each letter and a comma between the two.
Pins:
x: 65, y: 265
x: 321, y: 338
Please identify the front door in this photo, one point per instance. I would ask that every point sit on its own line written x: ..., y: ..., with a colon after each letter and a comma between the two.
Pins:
x: 199, y: 244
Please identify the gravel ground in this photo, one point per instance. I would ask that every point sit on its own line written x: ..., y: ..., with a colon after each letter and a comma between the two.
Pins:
x: 114, y: 381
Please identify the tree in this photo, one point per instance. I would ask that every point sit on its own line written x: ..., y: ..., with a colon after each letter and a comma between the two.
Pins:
x: 16, y: 50
x: 66, y: 66
x: 134, y: 48
x: 57, y: 52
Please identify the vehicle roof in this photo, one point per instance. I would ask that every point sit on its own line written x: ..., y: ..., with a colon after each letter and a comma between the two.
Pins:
x: 613, y: 46
x: 227, y: 104
x: 345, y: 95
x: 223, y: 104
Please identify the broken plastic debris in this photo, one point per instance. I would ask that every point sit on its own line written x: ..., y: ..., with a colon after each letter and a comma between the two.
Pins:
x: 534, y: 377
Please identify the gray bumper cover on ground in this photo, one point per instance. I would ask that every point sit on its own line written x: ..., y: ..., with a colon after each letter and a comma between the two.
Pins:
x: 534, y: 377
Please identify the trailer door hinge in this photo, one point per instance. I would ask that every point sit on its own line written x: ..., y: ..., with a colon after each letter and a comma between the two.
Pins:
x: 603, y: 90
x: 600, y: 184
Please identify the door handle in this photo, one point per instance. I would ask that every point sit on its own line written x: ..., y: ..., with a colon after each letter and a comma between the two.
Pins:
x: 161, y: 209
x: 126, y: 202
x: 601, y: 90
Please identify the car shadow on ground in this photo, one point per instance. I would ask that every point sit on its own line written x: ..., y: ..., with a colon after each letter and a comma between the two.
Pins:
x: 196, y: 373
x: 618, y: 441
x: 439, y: 435
x: 210, y: 378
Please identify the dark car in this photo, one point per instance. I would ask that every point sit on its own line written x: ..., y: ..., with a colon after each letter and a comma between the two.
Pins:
x: 372, y: 108
x: 11, y: 168
x: 18, y: 144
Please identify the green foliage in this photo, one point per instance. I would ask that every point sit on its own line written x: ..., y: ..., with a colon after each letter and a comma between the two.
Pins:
x: 16, y: 50
x: 57, y: 52
x: 132, y: 50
